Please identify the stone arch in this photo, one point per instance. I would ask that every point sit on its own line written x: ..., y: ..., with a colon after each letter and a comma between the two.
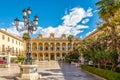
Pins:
x: 52, y: 45
x: 69, y: 46
x: 63, y: 46
x: 34, y: 46
x: 52, y: 56
x: 46, y: 46
x: 34, y: 56
x: 58, y: 56
x: 40, y: 46
x: 63, y: 54
x: 58, y: 46
x: 40, y: 56
x: 46, y: 55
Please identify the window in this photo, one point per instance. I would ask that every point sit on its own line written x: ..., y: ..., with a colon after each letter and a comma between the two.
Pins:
x: 41, y: 48
x: 58, y: 48
x: 69, y: 47
x: 8, y: 39
x: 3, y: 37
x: 46, y: 48
x: 13, y: 49
x: 63, y: 47
x: 16, y: 50
x: 3, y: 48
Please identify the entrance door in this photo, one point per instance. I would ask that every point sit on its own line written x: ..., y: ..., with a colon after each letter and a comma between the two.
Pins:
x: 52, y: 57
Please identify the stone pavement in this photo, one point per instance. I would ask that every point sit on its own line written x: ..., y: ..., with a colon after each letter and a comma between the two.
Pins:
x: 51, y: 70
x: 62, y: 71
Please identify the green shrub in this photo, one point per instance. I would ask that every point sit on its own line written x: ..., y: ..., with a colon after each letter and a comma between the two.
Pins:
x: 21, y: 59
x: 107, y: 74
x: 118, y: 69
x: 72, y: 57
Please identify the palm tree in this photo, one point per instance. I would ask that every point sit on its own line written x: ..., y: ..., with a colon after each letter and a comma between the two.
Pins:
x: 25, y: 36
x: 107, y: 10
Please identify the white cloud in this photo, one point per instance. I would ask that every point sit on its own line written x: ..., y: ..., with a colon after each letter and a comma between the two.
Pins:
x: 81, y: 27
x: 12, y: 30
x: 90, y: 32
x: 85, y: 21
x: 74, y: 17
x: 70, y: 24
x: 89, y: 12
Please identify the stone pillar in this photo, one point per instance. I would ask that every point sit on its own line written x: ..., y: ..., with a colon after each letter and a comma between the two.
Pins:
x: 82, y: 59
x: 8, y: 59
x: 48, y: 46
x: 60, y: 46
x: 37, y: 56
x: 43, y: 56
x: 55, y: 46
x: 37, y: 47
x: 55, y: 56
x: 49, y: 56
x: 43, y: 46
x: 66, y: 46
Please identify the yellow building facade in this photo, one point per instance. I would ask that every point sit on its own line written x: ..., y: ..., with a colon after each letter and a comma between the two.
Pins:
x: 41, y: 48
x: 8, y: 41
x: 51, y: 48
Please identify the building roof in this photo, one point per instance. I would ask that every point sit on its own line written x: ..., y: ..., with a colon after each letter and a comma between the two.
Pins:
x: 16, y: 37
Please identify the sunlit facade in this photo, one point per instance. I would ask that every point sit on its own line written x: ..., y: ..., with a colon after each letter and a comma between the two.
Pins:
x: 41, y: 48
x: 51, y: 48
x: 8, y: 41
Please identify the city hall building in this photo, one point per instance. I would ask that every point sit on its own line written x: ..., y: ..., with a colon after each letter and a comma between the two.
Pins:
x: 41, y: 48
x: 51, y: 48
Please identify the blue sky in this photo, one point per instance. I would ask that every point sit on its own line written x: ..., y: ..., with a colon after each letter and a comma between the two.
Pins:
x: 77, y: 17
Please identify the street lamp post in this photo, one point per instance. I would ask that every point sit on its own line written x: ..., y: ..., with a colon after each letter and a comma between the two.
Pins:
x: 29, y: 26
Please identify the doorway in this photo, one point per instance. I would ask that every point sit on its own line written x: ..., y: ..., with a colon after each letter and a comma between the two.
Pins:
x: 52, y: 57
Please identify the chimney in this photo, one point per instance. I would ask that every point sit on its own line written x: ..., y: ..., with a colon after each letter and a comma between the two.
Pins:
x: 40, y: 36
x: 63, y: 36
x: 51, y: 35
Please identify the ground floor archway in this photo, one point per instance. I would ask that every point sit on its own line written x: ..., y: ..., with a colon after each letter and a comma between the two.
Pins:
x: 48, y: 56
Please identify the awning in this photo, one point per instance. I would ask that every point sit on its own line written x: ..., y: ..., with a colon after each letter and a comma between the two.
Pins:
x: 7, y: 55
x: 13, y: 56
x: 3, y: 55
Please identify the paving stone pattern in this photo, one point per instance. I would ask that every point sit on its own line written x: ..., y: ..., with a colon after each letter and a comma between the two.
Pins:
x: 50, y: 70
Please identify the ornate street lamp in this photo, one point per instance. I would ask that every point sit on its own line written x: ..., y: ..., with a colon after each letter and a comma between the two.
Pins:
x: 30, y: 26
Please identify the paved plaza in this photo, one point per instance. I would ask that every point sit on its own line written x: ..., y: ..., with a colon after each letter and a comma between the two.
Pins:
x: 50, y: 70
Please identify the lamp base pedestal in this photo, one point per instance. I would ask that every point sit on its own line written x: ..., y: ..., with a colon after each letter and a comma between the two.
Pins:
x: 28, y: 72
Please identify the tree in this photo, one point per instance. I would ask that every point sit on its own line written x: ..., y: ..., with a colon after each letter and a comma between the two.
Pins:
x: 107, y: 10
x: 25, y: 36
x: 71, y: 38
